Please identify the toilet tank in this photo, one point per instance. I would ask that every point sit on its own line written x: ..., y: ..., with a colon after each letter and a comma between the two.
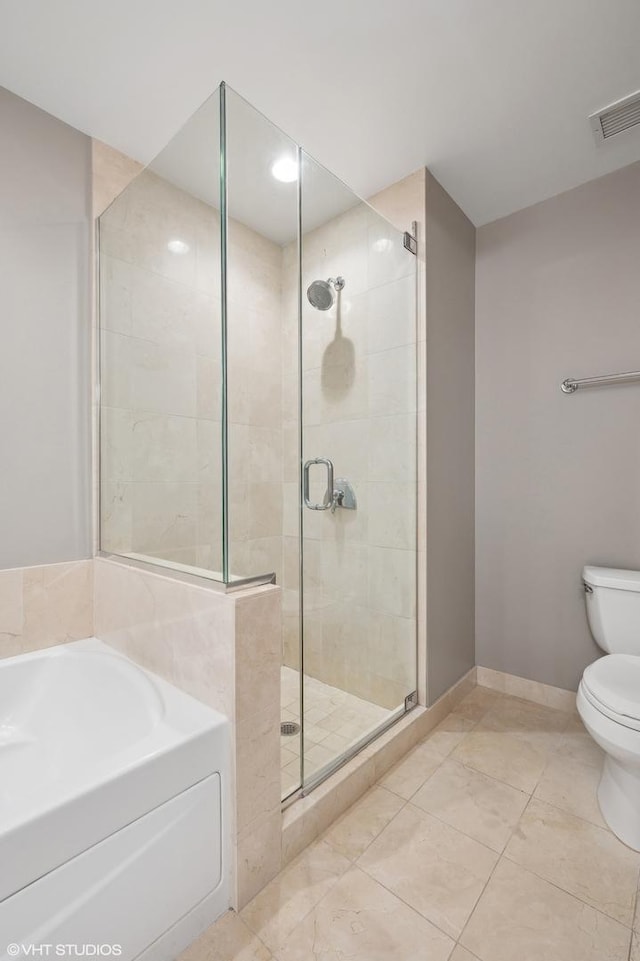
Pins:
x: 613, y: 608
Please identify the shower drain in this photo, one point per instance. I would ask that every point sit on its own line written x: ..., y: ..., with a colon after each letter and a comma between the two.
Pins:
x: 288, y: 728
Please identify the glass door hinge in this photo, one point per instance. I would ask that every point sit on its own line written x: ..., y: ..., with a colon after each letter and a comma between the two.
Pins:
x: 410, y: 242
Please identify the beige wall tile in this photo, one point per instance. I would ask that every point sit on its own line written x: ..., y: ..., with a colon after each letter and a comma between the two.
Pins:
x: 57, y: 604
x: 161, y: 354
x: 258, y: 651
x: 258, y: 857
x: 554, y: 697
x: 257, y: 746
x: 403, y: 201
x: 11, y: 612
x: 347, y: 381
x: 112, y: 171
x: 182, y: 632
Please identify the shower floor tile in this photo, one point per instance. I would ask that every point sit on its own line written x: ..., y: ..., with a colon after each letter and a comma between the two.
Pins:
x: 333, y: 721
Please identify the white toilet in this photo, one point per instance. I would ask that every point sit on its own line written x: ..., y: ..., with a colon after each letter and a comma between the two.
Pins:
x: 608, y: 698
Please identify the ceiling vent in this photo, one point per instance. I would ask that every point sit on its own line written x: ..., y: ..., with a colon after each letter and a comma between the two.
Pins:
x: 616, y: 118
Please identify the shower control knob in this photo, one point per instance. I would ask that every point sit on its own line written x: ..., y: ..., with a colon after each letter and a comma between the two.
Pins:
x: 343, y: 495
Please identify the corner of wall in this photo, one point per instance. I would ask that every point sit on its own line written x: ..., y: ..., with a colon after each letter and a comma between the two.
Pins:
x: 450, y: 436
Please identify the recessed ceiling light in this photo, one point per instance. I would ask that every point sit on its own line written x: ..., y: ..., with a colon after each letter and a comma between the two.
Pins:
x: 178, y: 247
x: 285, y: 169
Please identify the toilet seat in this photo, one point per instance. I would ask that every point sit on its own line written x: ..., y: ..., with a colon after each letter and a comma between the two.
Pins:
x: 612, y: 686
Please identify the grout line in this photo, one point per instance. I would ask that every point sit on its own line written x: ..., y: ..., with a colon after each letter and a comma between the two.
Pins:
x: 406, y: 903
x: 375, y: 838
x: 558, y: 887
x: 556, y: 884
x: 287, y: 867
x: 250, y: 931
x: 500, y: 855
x: 470, y: 836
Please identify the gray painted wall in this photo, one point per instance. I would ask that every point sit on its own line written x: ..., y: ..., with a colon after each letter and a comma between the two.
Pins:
x: 558, y: 477
x: 45, y: 169
x: 450, y: 267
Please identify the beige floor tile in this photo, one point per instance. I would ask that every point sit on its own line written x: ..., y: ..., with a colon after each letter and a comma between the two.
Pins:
x: 577, y: 743
x: 479, y: 702
x: 475, y: 804
x: 315, y: 757
x: 515, y: 716
x: 461, y: 954
x: 520, y: 917
x: 336, y: 743
x: 448, y: 734
x: 541, y: 727
x: 572, y: 786
x: 502, y: 756
x: 434, y: 868
x: 229, y: 939
x: 587, y: 861
x: 411, y: 772
x: 359, y: 920
x: 290, y: 777
x: 284, y: 902
x: 635, y: 948
x: 355, y: 831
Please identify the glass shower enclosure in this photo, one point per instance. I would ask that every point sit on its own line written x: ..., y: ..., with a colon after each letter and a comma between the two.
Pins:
x: 258, y: 411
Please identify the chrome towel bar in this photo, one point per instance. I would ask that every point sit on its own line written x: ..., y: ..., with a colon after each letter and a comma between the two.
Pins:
x: 571, y: 385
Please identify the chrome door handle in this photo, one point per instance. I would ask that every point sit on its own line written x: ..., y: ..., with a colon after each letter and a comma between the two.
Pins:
x: 328, y: 496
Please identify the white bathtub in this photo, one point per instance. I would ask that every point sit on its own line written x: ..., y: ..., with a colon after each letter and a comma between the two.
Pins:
x: 113, y: 807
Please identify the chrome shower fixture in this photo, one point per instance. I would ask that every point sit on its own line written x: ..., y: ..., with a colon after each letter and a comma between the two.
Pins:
x: 320, y: 293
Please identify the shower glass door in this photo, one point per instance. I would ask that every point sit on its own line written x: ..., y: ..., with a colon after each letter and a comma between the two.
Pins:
x: 357, y: 362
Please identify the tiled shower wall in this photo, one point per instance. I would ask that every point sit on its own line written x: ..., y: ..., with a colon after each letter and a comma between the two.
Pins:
x: 161, y: 357
x: 161, y: 427
x: 160, y: 363
x: 45, y: 605
x: 359, y: 409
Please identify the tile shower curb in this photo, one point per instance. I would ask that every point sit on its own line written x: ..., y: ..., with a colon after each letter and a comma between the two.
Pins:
x: 307, y: 818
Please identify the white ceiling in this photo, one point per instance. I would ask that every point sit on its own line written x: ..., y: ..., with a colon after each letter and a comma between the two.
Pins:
x: 492, y: 95
x: 254, y: 196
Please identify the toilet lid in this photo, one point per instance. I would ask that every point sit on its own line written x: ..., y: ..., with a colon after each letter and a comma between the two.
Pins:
x: 614, y: 681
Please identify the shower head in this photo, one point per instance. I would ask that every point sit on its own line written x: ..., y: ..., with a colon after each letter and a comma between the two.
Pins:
x: 320, y: 293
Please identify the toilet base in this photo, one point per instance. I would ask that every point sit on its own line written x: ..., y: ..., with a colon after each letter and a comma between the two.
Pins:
x: 619, y: 799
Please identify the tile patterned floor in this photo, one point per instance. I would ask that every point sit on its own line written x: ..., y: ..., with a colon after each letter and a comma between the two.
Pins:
x: 334, y: 720
x: 484, y: 844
